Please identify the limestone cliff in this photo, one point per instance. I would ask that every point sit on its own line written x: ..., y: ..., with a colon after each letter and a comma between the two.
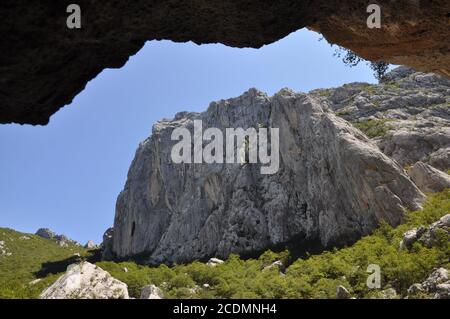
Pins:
x: 334, y: 185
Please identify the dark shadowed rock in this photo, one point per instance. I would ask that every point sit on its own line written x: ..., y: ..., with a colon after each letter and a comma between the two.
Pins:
x: 45, y: 64
x: 107, y: 253
x: 342, y: 293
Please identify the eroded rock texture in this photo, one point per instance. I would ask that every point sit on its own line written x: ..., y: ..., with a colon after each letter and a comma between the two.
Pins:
x: 86, y: 281
x: 334, y: 186
x: 44, y: 64
x: 407, y: 115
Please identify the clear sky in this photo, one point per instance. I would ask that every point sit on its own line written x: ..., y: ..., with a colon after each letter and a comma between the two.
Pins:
x: 66, y: 176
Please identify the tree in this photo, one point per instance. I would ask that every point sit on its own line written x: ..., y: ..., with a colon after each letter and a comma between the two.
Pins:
x: 351, y: 59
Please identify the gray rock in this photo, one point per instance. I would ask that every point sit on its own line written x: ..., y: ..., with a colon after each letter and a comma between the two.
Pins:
x: 429, y: 179
x: 151, y: 292
x: 428, y: 236
x: 413, y: 108
x: 409, y: 238
x: 214, y: 262
x: 86, y: 281
x: 431, y: 236
x: 333, y: 187
x: 276, y: 265
x: 443, y: 291
x: 107, y: 244
x: 439, y: 276
x: 90, y: 245
x: 389, y: 293
x: 436, y: 286
x: 342, y: 293
x: 4, y: 251
x: 441, y: 158
x: 61, y: 240
x: 45, y: 233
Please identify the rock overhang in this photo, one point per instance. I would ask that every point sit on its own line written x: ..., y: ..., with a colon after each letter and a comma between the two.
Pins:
x: 45, y: 65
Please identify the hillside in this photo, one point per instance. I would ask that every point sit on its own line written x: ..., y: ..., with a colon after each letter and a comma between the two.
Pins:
x: 25, y: 258
x: 314, y: 276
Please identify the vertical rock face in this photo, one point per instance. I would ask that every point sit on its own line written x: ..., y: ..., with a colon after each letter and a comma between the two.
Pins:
x: 333, y: 186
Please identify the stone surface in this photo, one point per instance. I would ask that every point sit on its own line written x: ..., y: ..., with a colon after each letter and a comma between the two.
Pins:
x: 214, y: 262
x: 428, y: 236
x: 90, y: 245
x: 106, y: 246
x: 342, y: 293
x: 429, y: 179
x: 411, y: 110
x: 45, y: 233
x: 334, y: 186
x: 151, y: 292
x: 389, y: 293
x: 61, y: 240
x: 278, y: 265
x: 4, y: 251
x: 45, y: 64
x: 86, y: 281
x: 436, y: 286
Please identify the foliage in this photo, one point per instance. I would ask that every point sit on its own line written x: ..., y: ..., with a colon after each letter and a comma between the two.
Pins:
x: 32, y: 257
x: 351, y: 59
x: 315, y: 276
x: 373, y: 127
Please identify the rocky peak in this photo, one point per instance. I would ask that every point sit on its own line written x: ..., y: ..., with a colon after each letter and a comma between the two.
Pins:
x: 334, y: 185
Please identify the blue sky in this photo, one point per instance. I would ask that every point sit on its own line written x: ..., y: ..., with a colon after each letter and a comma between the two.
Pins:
x: 66, y: 176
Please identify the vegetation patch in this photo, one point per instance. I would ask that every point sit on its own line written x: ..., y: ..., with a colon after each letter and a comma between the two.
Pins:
x: 32, y: 259
x: 373, y: 128
x: 315, y: 276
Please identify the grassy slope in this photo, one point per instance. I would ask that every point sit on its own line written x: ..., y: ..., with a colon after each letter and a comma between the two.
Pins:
x: 314, y: 277
x: 31, y: 259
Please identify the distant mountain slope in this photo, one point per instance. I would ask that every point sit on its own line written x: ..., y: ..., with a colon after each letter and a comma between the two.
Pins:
x: 315, y: 276
x: 25, y: 258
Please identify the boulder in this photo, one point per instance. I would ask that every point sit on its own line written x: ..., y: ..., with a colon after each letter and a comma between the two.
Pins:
x: 441, y: 159
x: 90, y: 245
x: 107, y: 244
x: 151, y: 292
x: 214, y: 262
x: 436, y: 286
x: 86, y: 281
x: 428, y: 236
x: 429, y: 179
x: 342, y: 293
x: 45, y: 233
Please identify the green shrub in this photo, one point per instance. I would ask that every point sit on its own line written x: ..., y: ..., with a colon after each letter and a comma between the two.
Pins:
x: 315, y: 276
x: 373, y: 128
